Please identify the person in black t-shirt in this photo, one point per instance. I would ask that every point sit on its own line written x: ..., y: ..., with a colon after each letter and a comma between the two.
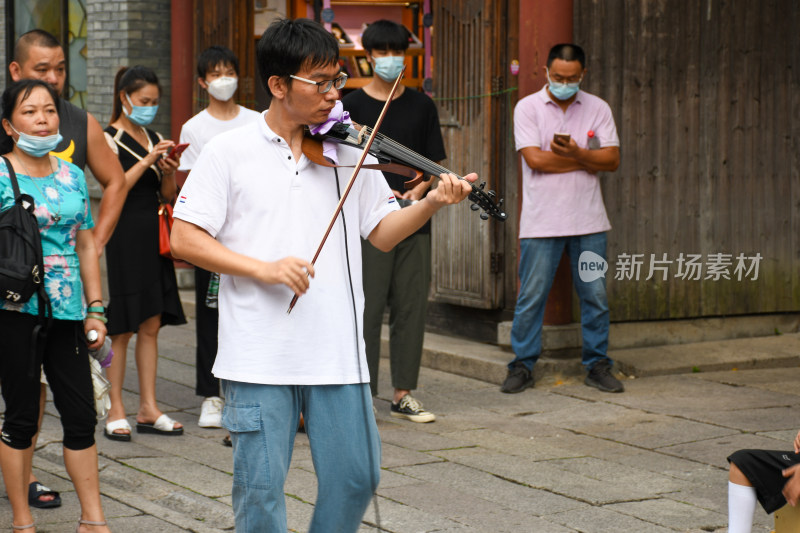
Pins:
x: 401, y: 277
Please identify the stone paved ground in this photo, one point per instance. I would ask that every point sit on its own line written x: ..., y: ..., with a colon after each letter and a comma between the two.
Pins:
x: 556, y: 459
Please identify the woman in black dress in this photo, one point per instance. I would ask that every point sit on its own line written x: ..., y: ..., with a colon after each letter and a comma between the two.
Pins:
x: 142, y: 285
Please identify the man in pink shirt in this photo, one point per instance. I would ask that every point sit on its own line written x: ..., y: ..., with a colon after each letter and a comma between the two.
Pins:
x: 566, y: 136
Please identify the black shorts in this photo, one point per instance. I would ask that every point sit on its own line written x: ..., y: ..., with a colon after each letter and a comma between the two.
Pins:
x: 764, y: 469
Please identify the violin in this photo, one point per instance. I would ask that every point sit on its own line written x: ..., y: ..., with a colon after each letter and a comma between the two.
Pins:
x: 396, y: 158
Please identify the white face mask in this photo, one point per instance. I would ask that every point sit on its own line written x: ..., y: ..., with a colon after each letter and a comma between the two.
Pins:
x: 223, y: 88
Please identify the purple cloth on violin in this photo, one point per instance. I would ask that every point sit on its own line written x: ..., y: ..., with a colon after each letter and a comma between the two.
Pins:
x: 337, y: 114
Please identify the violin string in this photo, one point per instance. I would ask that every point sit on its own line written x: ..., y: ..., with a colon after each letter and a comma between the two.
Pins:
x: 414, y: 157
x: 411, y: 157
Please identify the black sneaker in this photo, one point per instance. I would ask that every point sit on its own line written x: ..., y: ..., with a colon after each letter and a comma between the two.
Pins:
x: 600, y: 377
x: 410, y: 409
x: 518, y: 379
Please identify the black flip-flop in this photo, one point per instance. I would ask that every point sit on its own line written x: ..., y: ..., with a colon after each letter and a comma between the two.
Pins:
x: 36, y: 490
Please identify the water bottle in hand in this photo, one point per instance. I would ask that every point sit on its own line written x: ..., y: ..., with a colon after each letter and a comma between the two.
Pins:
x: 104, y: 353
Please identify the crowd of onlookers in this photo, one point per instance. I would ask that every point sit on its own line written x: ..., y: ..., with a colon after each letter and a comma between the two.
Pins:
x: 241, y: 220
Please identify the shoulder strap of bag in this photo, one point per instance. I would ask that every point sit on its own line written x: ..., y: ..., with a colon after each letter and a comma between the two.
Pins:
x: 118, y: 139
x: 39, y: 333
x: 13, y: 176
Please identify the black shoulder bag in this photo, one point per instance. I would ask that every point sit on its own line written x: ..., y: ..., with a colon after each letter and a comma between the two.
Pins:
x: 21, y: 261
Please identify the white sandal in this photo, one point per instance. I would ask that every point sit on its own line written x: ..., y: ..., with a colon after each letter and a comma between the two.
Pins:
x: 163, y: 425
x: 116, y: 425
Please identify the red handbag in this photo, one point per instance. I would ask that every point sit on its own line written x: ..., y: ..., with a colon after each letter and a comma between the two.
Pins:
x: 164, y: 229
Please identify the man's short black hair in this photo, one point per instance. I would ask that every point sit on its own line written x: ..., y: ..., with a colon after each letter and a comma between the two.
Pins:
x: 287, y: 46
x: 35, y: 37
x: 567, y: 52
x: 385, y: 35
x: 213, y: 56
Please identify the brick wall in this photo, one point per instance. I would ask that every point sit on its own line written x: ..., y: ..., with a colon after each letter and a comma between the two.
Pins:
x: 126, y: 33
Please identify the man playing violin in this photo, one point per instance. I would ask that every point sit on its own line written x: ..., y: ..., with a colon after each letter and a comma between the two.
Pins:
x: 400, y: 277
x: 254, y: 209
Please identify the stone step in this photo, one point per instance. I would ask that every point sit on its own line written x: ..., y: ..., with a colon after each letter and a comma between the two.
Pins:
x: 560, y: 361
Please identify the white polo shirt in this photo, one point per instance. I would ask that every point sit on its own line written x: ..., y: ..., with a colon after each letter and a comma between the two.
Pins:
x: 248, y: 192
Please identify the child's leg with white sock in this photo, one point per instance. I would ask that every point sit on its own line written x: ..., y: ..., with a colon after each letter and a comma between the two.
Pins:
x: 741, y: 508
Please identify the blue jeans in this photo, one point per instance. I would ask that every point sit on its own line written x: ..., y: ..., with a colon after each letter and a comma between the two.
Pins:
x: 345, y: 448
x: 538, y: 262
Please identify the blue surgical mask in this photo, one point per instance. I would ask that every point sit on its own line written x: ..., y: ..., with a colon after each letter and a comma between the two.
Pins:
x: 389, y: 67
x: 35, y: 145
x: 563, y: 91
x: 141, y: 115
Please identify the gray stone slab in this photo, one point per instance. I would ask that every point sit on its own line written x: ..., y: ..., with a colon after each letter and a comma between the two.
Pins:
x: 630, y: 426
x: 763, y: 419
x: 400, y: 518
x: 203, y: 451
x: 672, y: 514
x: 301, y: 485
x: 715, y: 451
x: 533, y: 447
x: 487, y: 486
x: 569, y: 477
x: 184, y: 473
x: 393, y: 456
x: 137, y: 524
x: 178, y: 372
x: 680, y: 395
x: 782, y: 380
x: 404, y: 437
x: 604, y: 520
x: 461, y: 507
x: 757, y: 352
x: 65, y: 518
x: 528, y: 402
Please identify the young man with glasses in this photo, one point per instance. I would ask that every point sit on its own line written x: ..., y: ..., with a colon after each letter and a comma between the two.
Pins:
x: 255, y: 209
x: 565, y: 136
x: 401, y: 277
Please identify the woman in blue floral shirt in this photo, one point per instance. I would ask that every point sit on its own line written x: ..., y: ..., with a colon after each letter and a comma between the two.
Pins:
x: 30, y: 122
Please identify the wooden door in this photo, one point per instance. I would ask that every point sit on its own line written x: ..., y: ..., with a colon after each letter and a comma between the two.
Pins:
x: 705, y: 95
x: 469, y: 49
x: 228, y: 23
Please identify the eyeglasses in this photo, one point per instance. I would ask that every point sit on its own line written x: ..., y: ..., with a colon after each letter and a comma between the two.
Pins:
x: 324, y: 85
x: 560, y: 79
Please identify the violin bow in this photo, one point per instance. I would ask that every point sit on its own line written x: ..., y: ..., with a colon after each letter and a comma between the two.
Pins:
x: 352, y: 180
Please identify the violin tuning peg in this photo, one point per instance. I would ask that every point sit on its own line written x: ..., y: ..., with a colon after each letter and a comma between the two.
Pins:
x: 474, y: 207
x: 500, y: 203
x: 484, y: 216
x: 482, y: 185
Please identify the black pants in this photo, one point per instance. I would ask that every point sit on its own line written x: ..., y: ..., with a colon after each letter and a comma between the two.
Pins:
x: 66, y: 365
x: 764, y: 469
x: 206, y: 330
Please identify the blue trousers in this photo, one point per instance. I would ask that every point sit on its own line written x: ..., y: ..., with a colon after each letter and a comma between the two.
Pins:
x: 345, y: 449
x: 538, y: 262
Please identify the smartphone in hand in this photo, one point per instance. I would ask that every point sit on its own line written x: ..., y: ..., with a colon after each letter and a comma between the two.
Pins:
x: 177, y: 150
x: 561, y: 138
